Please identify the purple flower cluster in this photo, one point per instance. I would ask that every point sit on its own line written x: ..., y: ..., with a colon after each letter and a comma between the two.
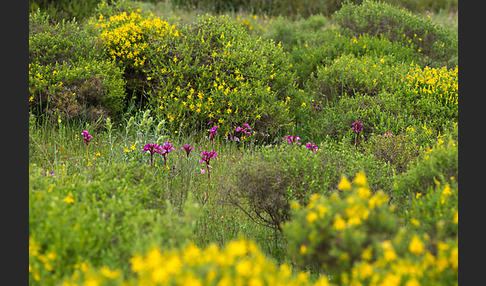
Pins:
x: 86, y: 136
x: 387, y: 134
x: 50, y: 173
x: 213, y: 132
x: 188, y: 149
x: 291, y: 139
x: 206, y: 157
x: 240, y: 130
x: 152, y: 148
x: 311, y: 146
x: 357, y: 126
x: 166, y: 148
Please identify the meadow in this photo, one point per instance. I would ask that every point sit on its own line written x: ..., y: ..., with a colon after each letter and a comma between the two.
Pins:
x: 201, y: 143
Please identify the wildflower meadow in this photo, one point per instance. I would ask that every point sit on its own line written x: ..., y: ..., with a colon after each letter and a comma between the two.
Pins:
x: 219, y: 143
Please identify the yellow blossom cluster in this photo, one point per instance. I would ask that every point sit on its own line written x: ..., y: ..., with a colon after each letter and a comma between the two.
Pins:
x: 441, y: 83
x: 336, y: 224
x: 40, y: 262
x: 416, y: 266
x: 240, y: 262
x: 126, y: 36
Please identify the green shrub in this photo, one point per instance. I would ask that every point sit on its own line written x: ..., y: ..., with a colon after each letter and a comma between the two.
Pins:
x: 331, y: 232
x: 349, y: 75
x: 435, y: 212
x: 438, y: 164
x: 101, y: 218
x: 312, y: 51
x: 398, y: 150
x: 64, y: 9
x: 355, y: 237
x: 437, y: 46
x: 208, y: 73
x: 218, y: 75
x: 66, y: 41
x: 264, y: 184
x: 85, y: 90
x: 68, y: 73
x: 378, y: 114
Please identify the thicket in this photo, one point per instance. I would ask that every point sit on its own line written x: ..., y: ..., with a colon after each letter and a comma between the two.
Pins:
x: 289, y: 110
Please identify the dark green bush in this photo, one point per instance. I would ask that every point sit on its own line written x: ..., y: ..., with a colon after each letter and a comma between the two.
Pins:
x: 436, y: 165
x: 436, y: 45
x: 66, y: 41
x: 264, y: 184
x: 65, y: 9
x: 216, y: 74
x: 68, y: 73
x: 85, y: 90
x: 398, y: 150
x: 348, y: 75
x: 100, y: 218
x: 310, y: 51
x: 378, y: 114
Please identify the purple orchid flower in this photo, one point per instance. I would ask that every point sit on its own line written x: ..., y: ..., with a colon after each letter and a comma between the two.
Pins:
x: 166, y: 148
x: 291, y: 139
x: 86, y: 136
x: 311, y: 146
x: 206, y: 157
x: 213, y: 133
x: 152, y: 148
x: 188, y: 149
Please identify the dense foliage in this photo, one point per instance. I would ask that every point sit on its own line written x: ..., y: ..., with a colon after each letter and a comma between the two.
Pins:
x: 169, y: 147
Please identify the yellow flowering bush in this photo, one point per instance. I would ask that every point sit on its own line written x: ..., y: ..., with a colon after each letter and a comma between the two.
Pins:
x: 436, y: 165
x: 240, y: 262
x: 407, y: 262
x: 355, y: 238
x: 218, y: 75
x: 127, y: 35
x: 439, y: 83
x: 330, y: 233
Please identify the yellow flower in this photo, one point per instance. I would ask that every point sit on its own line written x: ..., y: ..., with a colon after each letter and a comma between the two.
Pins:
x: 456, y: 218
x: 389, y: 253
x: 303, y: 104
x: 339, y: 223
x: 416, y: 246
x: 69, y: 199
x: 138, y: 263
x: 311, y: 217
x: 110, y: 274
x: 344, y: 184
x: 360, y: 179
x: 364, y: 193
x: 303, y: 249
x: 365, y: 270
x: 367, y: 254
x: 414, y: 222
